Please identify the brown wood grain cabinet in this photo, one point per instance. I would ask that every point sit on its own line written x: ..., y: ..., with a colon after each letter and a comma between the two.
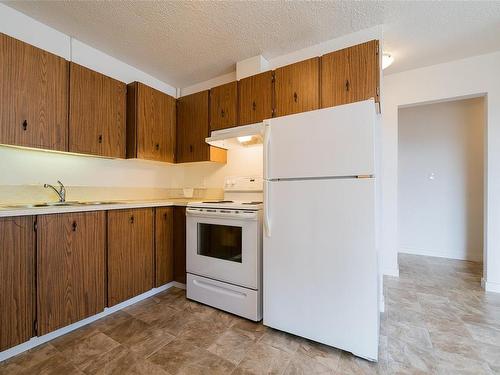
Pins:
x: 350, y: 75
x: 180, y: 244
x: 17, y: 280
x: 164, y: 245
x: 151, y: 123
x: 97, y: 113
x: 224, y: 106
x: 192, y: 129
x: 255, y: 98
x: 130, y: 253
x: 71, y: 268
x: 297, y: 87
x: 33, y: 96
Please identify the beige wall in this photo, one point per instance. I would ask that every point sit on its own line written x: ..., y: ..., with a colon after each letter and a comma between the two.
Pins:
x: 440, y: 186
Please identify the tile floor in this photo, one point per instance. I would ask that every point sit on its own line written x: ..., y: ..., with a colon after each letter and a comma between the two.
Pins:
x: 437, y: 321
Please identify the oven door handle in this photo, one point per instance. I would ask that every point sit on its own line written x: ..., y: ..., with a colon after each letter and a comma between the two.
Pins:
x: 193, y: 212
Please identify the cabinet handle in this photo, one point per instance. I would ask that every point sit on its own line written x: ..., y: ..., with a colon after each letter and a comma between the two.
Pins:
x: 295, y: 97
x: 131, y: 219
x: 190, y: 148
x: 157, y: 146
x: 25, y: 125
x: 222, y: 113
x: 165, y: 216
x: 347, y: 85
x: 254, y: 105
x: 73, y: 226
x: 99, y: 139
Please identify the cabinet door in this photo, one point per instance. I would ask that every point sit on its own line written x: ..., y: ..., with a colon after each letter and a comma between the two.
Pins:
x: 130, y: 253
x: 17, y: 275
x: 33, y: 96
x: 297, y: 87
x: 350, y: 75
x: 150, y: 123
x: 97, y: 113
x: 164, y: 245
x: 192, y: 128
x: 70, y: 268
x: 180, y: 244
x: 255, y: 95
x: 224, y: 106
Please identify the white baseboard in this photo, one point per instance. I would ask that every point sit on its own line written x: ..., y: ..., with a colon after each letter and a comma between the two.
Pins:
x: 490, y: 286
x: 442, y: 254
x: 391, y: 272
x: 35, y: 341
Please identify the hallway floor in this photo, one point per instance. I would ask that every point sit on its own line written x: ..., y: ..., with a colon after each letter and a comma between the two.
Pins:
x: 437, y: 321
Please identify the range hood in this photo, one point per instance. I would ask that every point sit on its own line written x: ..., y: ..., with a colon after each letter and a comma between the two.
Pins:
x: 239, y: 136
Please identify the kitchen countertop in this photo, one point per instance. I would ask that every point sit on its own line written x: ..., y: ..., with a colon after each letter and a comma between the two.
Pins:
x: 116, y: 205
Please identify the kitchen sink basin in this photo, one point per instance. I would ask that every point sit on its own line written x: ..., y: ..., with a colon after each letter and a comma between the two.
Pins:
x: 54, y: 204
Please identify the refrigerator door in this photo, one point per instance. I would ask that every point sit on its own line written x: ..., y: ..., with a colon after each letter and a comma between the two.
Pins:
x: 320, y: 263
x: 337, y: 141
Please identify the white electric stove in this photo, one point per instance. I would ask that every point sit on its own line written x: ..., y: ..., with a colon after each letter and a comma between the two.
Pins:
x: 224, y: 249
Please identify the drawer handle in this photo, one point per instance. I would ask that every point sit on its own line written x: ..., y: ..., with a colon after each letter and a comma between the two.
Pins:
x: 25, y: 125
x: 73, y: 226
x: 219, y: 289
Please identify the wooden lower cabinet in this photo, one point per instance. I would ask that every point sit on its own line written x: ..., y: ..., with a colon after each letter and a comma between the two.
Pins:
x: 180, y: 244
x: 130, y: 253
x: 17, y: 282
x: 164, y: 245
x: 70, y: 268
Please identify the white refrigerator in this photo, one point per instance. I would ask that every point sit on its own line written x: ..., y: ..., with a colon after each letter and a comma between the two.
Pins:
x: 320, y: 271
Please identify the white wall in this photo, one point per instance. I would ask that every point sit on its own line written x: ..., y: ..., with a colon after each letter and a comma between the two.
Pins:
x: 457, y: 79
x: 441, y: 179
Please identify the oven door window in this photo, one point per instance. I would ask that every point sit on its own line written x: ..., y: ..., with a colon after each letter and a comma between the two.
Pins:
x: 220, y: 241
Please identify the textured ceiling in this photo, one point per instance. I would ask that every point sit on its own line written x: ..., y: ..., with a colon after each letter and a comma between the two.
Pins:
x: 185, y: 42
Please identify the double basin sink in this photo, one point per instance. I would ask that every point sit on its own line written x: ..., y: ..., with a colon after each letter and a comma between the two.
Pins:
x: 55, y: 204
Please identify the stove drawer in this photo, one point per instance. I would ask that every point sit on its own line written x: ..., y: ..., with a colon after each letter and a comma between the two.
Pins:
x: 231, y: 298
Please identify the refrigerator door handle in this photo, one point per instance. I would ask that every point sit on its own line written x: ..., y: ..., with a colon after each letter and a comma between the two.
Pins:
x: 267, y: 143
x: 267, y: 212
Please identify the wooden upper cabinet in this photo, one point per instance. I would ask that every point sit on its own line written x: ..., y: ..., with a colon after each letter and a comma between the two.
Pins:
x: 164, y: 245
x: 96, y: 113
x: 151, y: 123
x: 70, y: 268
x: 130, y: 253
x: 192, y: 129
x: 224, y: 106
x: 255, y: 98
x: 297, y: 87
x: 33, y: 96
x: 17, y: 275
x: 350, y: 75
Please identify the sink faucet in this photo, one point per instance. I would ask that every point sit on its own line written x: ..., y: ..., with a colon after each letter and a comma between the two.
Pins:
x: 61, y: 193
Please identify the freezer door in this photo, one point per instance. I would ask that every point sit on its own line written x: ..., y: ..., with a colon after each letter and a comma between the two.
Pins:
x: 320, y: 264
x: 337, y: 141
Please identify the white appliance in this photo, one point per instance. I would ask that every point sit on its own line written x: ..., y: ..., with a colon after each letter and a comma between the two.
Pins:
x: 224, y: 249
x: 238, y: 136
x: 320, y: 261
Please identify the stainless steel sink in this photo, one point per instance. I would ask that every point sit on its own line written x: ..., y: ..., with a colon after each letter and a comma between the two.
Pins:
x: 55, y: 204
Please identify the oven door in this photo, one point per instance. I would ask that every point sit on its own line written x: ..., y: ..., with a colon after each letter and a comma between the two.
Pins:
x: 223, y: 245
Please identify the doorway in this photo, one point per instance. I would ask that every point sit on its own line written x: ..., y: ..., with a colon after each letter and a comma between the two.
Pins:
x: 441, y: 179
